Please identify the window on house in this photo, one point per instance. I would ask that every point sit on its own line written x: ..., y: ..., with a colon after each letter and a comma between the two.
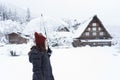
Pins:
x: 88, y: 29
x: 87, y: 33
x: 99, y: 28
x: 94, y: 33
x: 101, y: 33
x: 94, y: 24
x: 94, y: 29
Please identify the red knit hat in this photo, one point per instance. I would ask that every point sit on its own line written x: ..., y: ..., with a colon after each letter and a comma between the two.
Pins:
x: 39, y: 38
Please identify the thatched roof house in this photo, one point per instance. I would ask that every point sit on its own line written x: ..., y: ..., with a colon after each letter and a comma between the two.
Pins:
x: 93, y: 33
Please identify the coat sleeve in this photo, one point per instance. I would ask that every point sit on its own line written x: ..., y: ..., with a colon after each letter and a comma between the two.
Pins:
x: 29, y: 55
x: 36, y: 60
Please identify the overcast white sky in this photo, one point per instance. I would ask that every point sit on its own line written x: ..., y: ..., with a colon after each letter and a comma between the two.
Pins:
x: 107, y: 10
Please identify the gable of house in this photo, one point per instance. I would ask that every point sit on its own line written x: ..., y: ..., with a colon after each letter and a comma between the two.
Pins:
x: 95, y: 30
x: 92, y: 33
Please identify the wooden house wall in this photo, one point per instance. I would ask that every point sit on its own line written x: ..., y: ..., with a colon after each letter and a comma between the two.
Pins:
x: 78, y: 43
x: 95, y: 44
x: 16, y: 39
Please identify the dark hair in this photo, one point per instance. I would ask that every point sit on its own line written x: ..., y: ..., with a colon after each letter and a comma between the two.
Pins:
x: 42, y: 47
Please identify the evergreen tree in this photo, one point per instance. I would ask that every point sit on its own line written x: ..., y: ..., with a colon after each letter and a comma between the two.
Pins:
x: 7, y: 13
x: 28, y: 16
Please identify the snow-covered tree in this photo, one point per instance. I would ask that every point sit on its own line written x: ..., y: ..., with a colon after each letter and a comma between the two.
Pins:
x: 28, y: 15
x: 13, y: 13
x: 72, y: 24
x: 2, y: 12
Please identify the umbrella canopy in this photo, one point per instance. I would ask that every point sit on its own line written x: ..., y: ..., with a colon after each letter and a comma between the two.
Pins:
x: 42, y: 24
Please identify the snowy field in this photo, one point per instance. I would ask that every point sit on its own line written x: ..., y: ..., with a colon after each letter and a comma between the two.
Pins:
x: 84, y: 63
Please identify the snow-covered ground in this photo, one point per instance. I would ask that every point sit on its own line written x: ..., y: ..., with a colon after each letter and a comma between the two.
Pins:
x: 83, y: 63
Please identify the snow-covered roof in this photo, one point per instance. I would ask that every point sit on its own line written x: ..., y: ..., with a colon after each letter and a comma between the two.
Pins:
x: 9, y: 26
x: 82, y: 27
x: 113, y: 30
x: 97, y: 40
x: 62, y: 34
x: 43, y: 23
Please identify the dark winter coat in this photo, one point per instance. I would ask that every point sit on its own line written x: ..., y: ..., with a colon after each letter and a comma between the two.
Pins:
x: 41, y: 65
